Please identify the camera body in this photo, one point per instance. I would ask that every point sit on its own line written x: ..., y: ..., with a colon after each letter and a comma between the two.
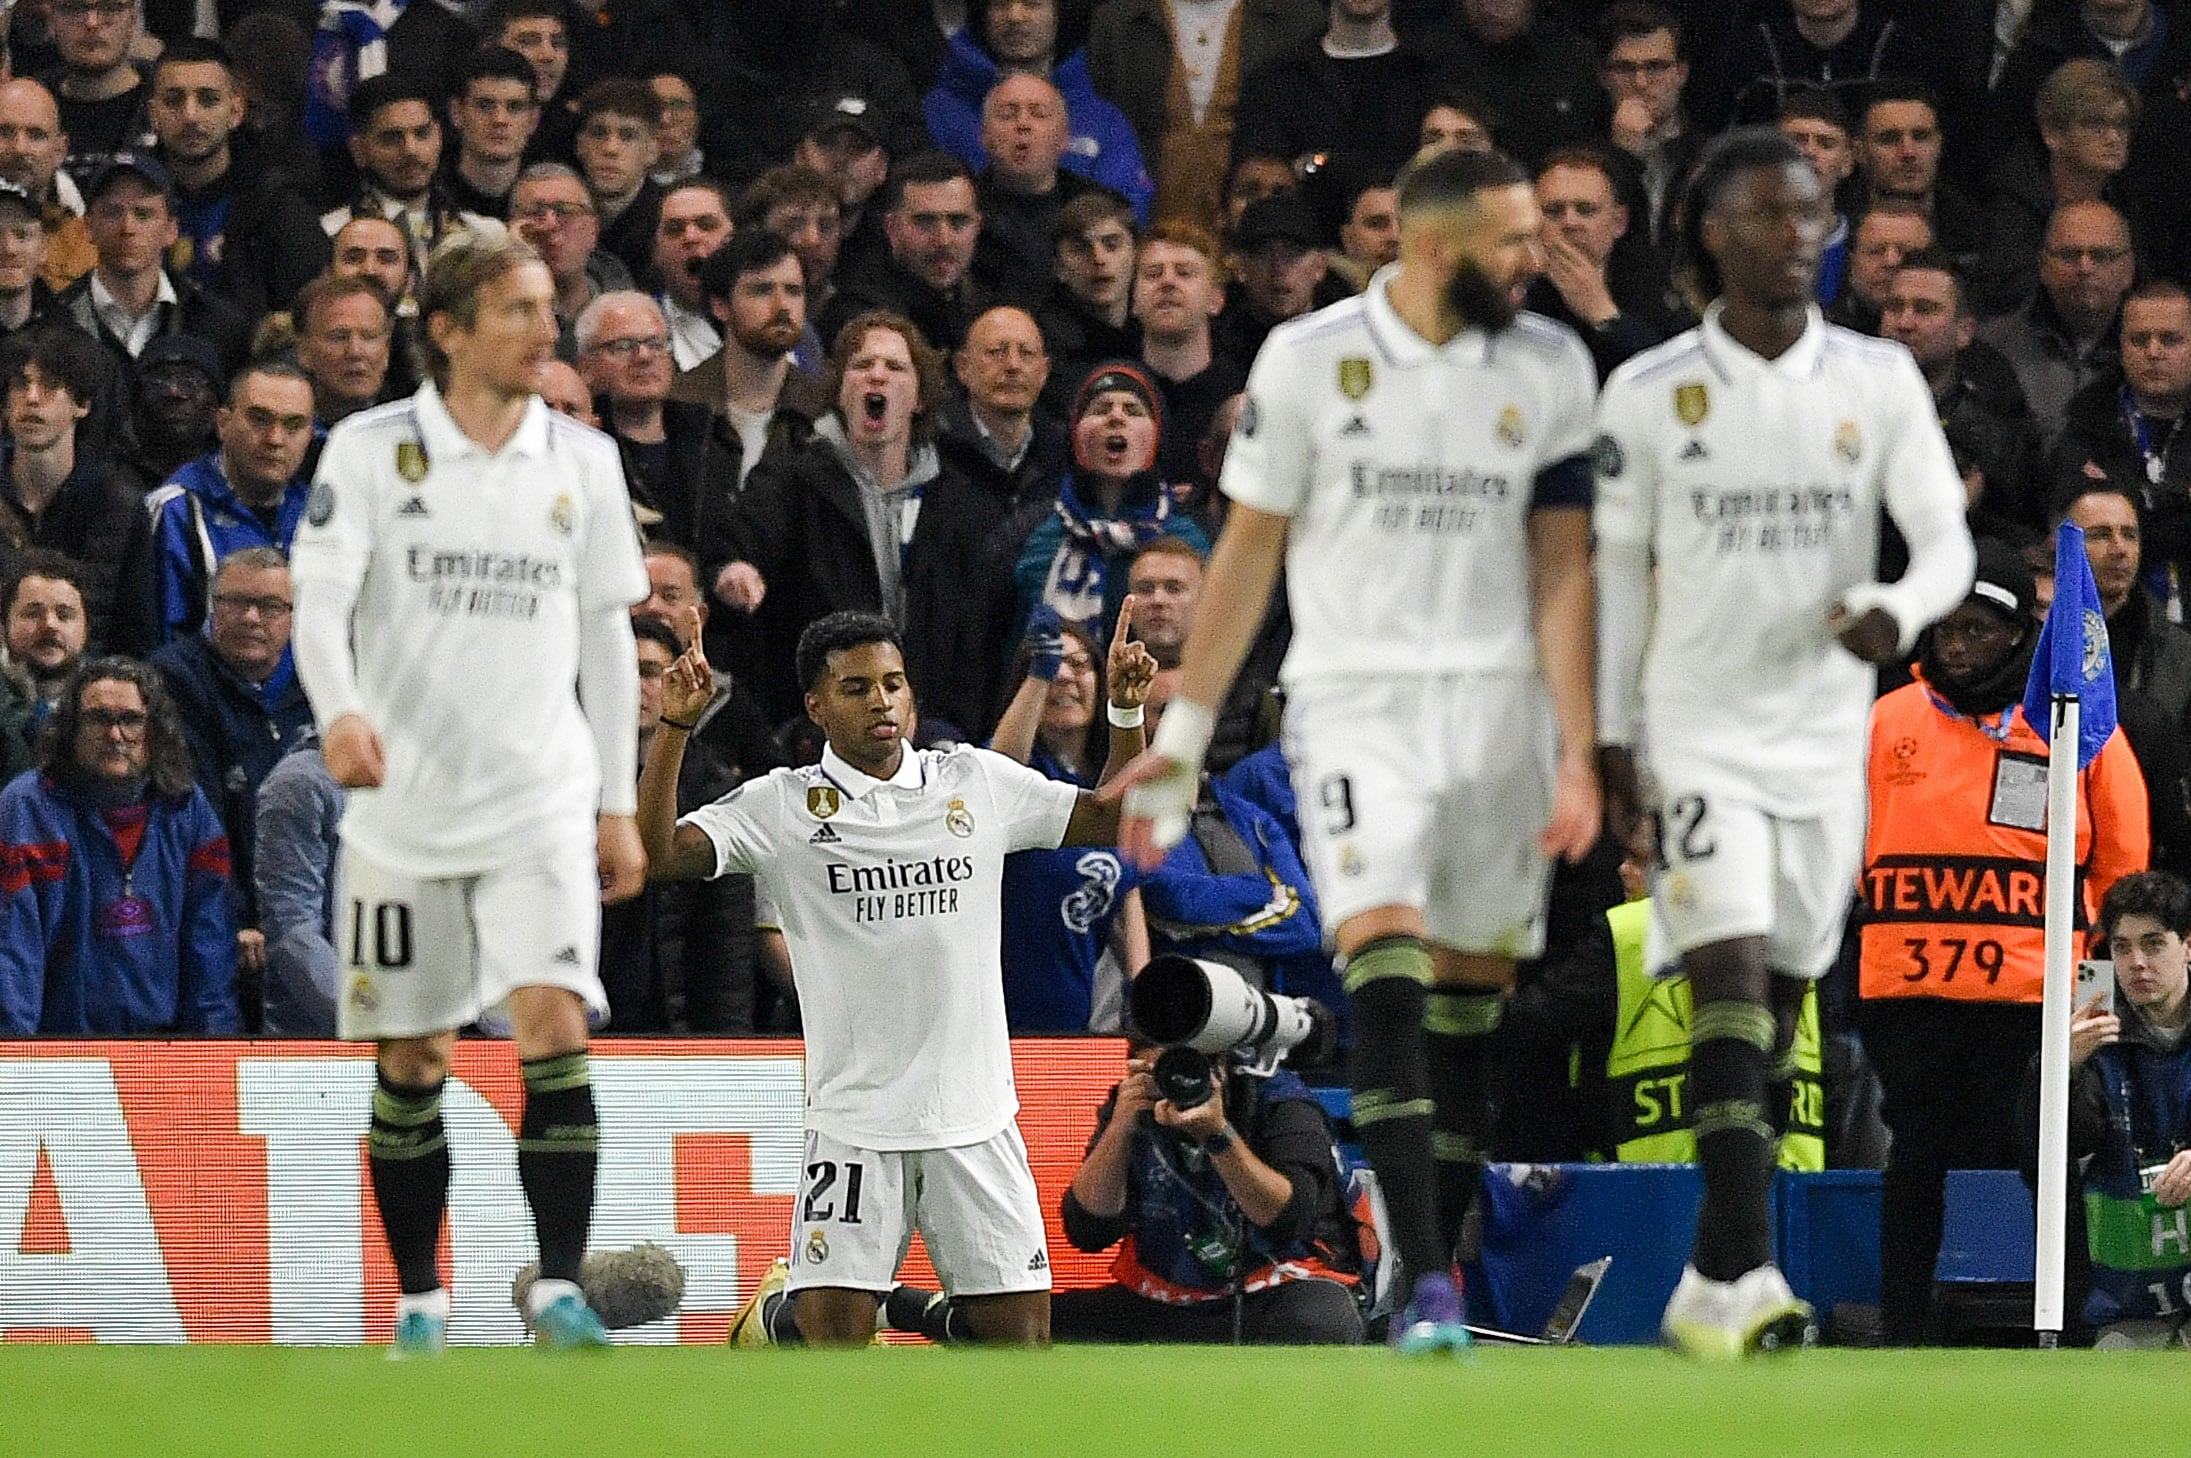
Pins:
x: 1197, y: 1008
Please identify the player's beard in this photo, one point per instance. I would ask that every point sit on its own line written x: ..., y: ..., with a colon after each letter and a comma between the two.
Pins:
x: 1478, y: 300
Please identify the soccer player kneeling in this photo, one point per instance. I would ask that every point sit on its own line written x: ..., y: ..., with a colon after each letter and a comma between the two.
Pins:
x: 885, y: 864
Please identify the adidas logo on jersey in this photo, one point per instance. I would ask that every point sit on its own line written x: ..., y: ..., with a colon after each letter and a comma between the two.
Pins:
x: 566, y: 955
x: 1358, y: 426
x: 1041, y: 1262
x: 1694, y: 451
x: 414, y: 508
x: 824, y: 836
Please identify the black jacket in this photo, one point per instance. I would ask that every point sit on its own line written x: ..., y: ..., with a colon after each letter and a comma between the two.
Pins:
x: 90, y: 520
x: 2097, y: 440
x: 878, y: 281
x: 800, y: 521
x: 1642, y: 323
x: 1078, y: 341
x: 236, y: 739
x: 1015, y: 260
x: 1985, y: 414
x: 195, y: 311
x: 673, y: 479
x: 1543, y: 84
x: 271, y: 244
x: 1362, y: 114
x: 1020, y: 498
x: 631, y: 236
x: 680, y: 958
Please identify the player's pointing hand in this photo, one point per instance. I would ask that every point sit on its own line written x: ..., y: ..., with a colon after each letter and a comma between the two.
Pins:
x: 1132, y: 668
x: 688, y: 686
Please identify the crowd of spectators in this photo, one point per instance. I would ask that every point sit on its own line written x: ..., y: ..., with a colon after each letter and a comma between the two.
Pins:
x: 942, y: 309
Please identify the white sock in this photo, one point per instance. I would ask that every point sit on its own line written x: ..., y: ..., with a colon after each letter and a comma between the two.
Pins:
x: 434, y: 1303
x: 545, y: 1291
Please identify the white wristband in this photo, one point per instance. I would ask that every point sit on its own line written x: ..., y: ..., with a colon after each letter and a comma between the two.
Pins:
x: 1123, y: 718
x: 1184, y: 732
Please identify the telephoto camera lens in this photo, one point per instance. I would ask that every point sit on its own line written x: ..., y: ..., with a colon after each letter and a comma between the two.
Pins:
x: 1183, y: 1077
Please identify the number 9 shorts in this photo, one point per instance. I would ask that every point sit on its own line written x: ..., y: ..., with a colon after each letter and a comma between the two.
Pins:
x: 1430, y: 793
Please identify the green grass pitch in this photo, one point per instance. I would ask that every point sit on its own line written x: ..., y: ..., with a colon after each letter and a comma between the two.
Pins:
x: 1143, y: 1402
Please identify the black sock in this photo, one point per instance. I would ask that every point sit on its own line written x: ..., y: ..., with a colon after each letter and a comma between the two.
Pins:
x: 1730, y: 1043
x: 409, y: 1154
x: 778, y: 1320
x: 1457, y: 1033
x: 556, y: 1141
x: 1386, y: 986
x: 931, y: 1313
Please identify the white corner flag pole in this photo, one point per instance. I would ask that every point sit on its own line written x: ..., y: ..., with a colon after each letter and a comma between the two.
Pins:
x: 2061, y: 893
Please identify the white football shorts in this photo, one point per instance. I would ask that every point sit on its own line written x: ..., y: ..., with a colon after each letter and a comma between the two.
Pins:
x: 975, y: 1208
x: 424, y: 955
x: 1729, y: 869
x: 1427, y: 792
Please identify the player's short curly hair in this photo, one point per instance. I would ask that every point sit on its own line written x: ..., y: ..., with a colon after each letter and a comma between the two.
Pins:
x: 837, y: 633
x: 1731, y: 154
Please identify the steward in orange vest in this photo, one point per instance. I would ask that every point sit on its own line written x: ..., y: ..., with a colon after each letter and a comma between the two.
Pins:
x: 1952, y: 906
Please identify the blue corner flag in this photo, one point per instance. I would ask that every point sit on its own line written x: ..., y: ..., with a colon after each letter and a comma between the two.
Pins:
x: 2072, y: 657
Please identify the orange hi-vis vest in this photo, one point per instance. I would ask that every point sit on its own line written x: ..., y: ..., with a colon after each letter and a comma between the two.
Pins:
x: 1953, y: 893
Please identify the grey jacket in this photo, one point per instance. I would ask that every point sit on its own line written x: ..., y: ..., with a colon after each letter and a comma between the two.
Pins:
x: 300, y: 806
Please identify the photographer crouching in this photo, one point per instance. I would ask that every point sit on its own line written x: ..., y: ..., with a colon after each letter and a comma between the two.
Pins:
x: 1219, y: 1185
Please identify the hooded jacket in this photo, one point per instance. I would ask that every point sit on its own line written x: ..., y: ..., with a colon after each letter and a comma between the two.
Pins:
x: 1101, y: 146
x: 803, y: 520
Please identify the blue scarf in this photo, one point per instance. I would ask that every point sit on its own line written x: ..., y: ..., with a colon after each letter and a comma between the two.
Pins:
x: 1076, y: 584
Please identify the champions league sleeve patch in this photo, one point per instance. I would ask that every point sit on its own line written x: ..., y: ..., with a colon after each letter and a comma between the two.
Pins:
x: 319, y: 507
x: 1251, y: 417
x: 1605, y: 457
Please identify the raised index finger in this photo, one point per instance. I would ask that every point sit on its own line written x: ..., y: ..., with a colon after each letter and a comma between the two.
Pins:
x: 1124, y: 629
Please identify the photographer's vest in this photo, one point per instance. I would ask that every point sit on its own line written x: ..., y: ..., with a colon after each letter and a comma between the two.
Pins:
x: 1647, y: 1073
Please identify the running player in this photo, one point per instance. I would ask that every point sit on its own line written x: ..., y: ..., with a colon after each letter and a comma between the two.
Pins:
x: 885, y: 865
x: 467, y: 557
x: 1741, y: 468
x: 1418, y: 455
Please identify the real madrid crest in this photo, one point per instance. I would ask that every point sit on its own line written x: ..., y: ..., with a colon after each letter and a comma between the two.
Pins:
x: 1355, y: 376
x: 1848, y: 442
x: 364, y: 996
x: 1509, y: 428
x: 1691, y: 404
x: 411, y: 461
x: 817, y: 1247
x: 563, y: 515
x: 823, y: 801
x: 959, y: 820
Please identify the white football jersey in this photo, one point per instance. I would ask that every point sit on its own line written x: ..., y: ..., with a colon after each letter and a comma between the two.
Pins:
x: 472, y: 569
x: 889, y: 894
x: 1409, y: 471
x: 1756, y: 485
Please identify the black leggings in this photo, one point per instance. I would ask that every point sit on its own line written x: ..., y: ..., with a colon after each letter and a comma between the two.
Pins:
x: 1297, y: 1313
x: 1950, y: 1073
